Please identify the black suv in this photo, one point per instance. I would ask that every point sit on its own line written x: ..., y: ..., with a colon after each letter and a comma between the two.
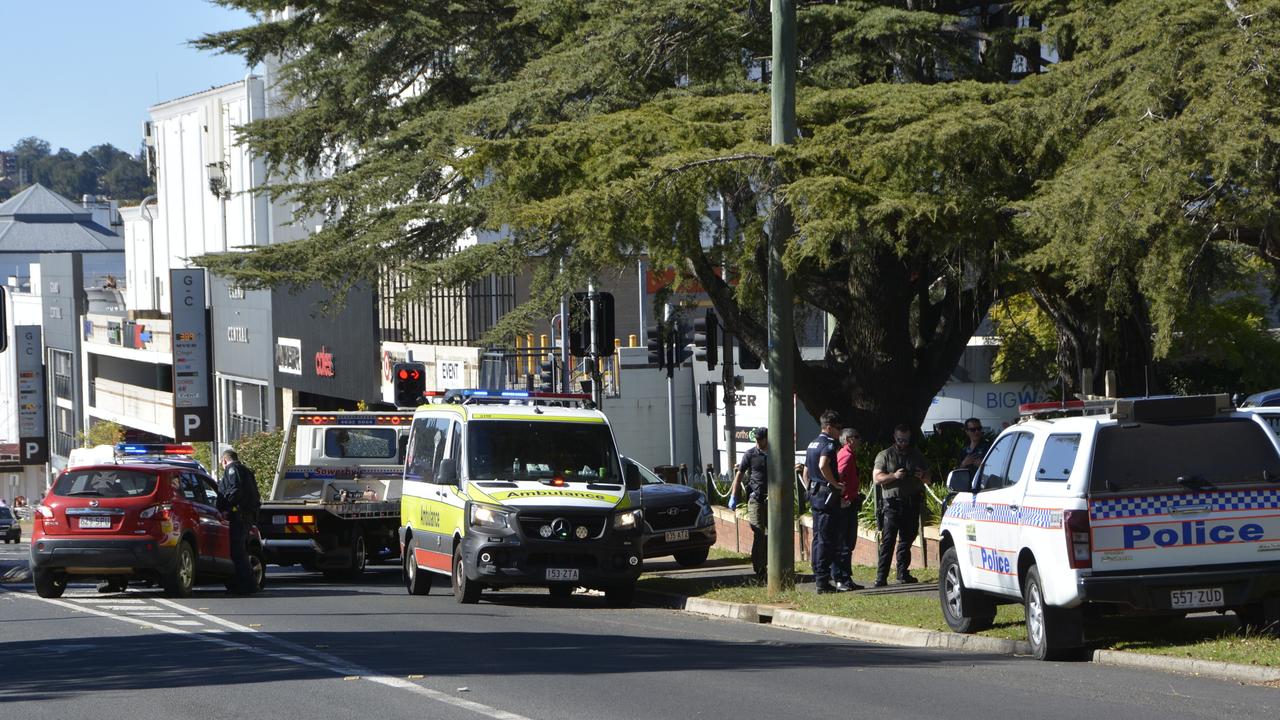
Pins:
x: 9, y: 528
x: 677, y: 518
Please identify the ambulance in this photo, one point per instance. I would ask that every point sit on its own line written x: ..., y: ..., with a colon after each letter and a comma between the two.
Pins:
x: 514, y: 488
x: 1160, y: 506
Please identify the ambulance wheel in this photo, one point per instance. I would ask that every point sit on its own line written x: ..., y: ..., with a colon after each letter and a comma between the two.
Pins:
x: 560, y: 592
x: 465, y: 591
x: 1054, y: 633
x: 620, y: 596
x: 964, y: 610
x: 415, y: 581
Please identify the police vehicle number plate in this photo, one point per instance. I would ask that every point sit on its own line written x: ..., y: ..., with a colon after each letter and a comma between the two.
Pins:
x: 1201, y: 597
x: 562, y: 574
x: 677, y: 535
x: 95, y: 522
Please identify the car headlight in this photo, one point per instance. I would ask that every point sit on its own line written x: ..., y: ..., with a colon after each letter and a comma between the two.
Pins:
x: 484, y: 516
x: 628, y: 520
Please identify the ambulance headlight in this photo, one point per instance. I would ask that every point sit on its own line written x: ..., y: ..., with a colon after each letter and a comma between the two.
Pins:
x: 628, y: 520
x: 483, y: 516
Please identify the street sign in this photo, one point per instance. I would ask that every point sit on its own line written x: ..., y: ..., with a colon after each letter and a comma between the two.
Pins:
x: 192, y: 386
x: 33, y: 437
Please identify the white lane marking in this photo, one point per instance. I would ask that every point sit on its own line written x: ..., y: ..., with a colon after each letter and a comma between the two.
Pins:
x: 126, y: 608
x: 187, y: 623
x: 328, y: 663
x: 204, y: 616
x: 154, y: 614
x: 111, y: 601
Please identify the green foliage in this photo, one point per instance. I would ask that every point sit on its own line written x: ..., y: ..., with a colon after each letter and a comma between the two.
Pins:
x: 1028, y: 342
x: 101, y: 170
x: 260, y: 452
x: 1118, y: 186
x: 1224, y: 347
x: 101, y: 432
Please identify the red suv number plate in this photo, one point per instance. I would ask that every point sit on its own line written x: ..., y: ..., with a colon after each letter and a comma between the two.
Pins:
x: 94, y: 522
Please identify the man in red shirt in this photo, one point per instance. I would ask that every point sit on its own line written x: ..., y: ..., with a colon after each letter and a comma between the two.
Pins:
x: 850, y: 506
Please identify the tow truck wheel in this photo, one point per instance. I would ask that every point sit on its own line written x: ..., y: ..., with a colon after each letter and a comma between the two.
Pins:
x: 964, y: 610
x: 1054, y: 633
x: 620, y: 596
x: 359, y: 558
x: 465, y: 591
x: 416, y: 582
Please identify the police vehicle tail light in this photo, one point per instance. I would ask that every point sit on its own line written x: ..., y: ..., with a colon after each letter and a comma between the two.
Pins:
x: 1079, y: 546
x: 156, y: 512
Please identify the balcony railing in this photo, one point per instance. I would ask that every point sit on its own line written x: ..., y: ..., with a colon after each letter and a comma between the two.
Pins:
x: 62, y: 444
x: 239, y: 426
x: 62, y: 387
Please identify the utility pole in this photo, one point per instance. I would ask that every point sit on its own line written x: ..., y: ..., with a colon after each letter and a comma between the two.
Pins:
x: 781, y: 335
x: 726, y: 354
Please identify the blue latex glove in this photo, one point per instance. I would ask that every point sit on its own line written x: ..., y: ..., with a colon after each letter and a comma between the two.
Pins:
x: 733, y: 502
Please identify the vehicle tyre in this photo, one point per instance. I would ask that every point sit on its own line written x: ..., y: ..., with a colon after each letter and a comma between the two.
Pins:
x: 258, y: 570
x: 620, y: 596
x: 415, y: 581
x: 560, y: 592
x: 178, y: 580
x: 49, y: 584
x: 465, y: 591
x: 359, y: 558
x: 964, y: 610
x: 1054, y: 633
x: 692, y: 558
x: 1261, y: 618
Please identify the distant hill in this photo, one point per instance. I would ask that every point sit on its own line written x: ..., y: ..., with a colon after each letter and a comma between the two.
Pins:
x: 103, y: 170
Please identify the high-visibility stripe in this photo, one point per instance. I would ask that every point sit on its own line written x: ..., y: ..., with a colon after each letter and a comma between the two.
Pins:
x: 432, y: 559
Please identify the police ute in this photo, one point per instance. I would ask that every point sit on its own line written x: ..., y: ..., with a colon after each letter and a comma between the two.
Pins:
x: 505, y: 488
x: 1159, y: 506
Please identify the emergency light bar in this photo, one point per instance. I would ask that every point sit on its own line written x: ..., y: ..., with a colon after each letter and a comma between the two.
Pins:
x: 135, y: 449
x: 361, y: 419
x: 483, y: 395
x: 1149, y: 409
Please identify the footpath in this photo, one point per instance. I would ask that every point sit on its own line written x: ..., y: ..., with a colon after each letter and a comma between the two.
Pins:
x: 661, y: 574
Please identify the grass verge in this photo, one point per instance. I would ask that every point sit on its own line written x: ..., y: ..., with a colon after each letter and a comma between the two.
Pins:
x: 1202, y: 637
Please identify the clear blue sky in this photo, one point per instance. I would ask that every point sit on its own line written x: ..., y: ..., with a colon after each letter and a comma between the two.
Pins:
x: 80, y: 73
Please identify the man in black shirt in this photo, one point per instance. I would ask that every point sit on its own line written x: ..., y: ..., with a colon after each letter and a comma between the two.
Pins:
x: 755, y: 465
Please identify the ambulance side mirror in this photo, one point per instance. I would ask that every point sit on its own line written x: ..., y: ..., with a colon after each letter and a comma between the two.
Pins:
x: 448, y: 474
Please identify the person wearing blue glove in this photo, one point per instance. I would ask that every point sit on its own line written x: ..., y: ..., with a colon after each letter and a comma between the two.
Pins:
x: 755, y: 466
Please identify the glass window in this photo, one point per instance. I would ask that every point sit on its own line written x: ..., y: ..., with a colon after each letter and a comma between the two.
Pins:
x: 359, y: 442
x: 6, y: 513
x: 1058, y: 458
x: 191, y: 488
x: 646, y: 475
x: 105, y: 483
x: 523, y: 450
x: 991, y: 476
x: 1018, y: 462
x: 426, y: 447
x: 1196, y: 455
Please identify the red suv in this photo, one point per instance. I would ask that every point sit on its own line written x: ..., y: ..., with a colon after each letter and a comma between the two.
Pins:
x: 149, y: 521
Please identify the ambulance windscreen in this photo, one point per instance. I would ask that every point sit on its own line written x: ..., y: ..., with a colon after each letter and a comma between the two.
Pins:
x: 542, y: 450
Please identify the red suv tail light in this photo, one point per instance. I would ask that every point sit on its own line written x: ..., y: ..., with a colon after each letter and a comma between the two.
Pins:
x: 1079, y: 544
x: 156, y: 512
x: 44, y: 511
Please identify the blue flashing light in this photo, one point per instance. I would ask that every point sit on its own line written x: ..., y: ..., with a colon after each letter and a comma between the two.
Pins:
x: 515, y: 393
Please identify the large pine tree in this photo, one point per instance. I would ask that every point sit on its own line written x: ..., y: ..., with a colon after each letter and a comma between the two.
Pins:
x: 937, y: 166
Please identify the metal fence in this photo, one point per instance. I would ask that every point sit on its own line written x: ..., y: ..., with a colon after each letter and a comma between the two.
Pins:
x: 521, y: 367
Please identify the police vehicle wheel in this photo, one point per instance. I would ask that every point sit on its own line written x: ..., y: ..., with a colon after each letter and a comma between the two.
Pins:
x: 620, y: 596
x: 692, y: 558
x: 178, y: 580
x: 1255, y: 618
x: 416, y: 582
x: 48, y: 584
x: 964, y: 610
x: 1054, y: 633
x: 464, y: 591
x: 258, y: 570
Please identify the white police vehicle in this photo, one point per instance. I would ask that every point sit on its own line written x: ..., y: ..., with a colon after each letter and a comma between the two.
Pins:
x: 1157, y: 505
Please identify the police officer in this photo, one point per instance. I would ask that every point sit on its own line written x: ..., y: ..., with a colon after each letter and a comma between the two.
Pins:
x: 240, y: 502
x: 755, y: 466
x: 825, y: 492
x: 900, y: 471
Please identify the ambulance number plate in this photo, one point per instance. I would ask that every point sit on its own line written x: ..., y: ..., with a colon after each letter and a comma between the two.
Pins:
x: 562, y: 574
x: 1198, y: 598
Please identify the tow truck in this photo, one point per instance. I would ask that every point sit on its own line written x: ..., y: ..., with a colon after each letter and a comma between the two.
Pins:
x: 336, y: 507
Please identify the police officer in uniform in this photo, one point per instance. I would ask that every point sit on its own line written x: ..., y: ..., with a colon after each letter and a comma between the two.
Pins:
x: 239, y: 499
x: 755, y: 466
x: 900, y: 471
x: 825, y: 492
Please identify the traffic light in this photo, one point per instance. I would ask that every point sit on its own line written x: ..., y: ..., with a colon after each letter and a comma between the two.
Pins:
x: 656, y: 335
x: 681, y: 339
x: 410, y: 382
x: 547, y: 375
x: 706, y: 346
x: 747, y: 360
x: 580, y: 324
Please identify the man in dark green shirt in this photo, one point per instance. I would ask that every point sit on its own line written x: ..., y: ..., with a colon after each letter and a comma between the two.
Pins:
x: 900, y: 473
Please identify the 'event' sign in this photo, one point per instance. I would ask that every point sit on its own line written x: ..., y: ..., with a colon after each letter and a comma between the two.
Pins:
x: 192, y: 386
x: 33, y: 438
